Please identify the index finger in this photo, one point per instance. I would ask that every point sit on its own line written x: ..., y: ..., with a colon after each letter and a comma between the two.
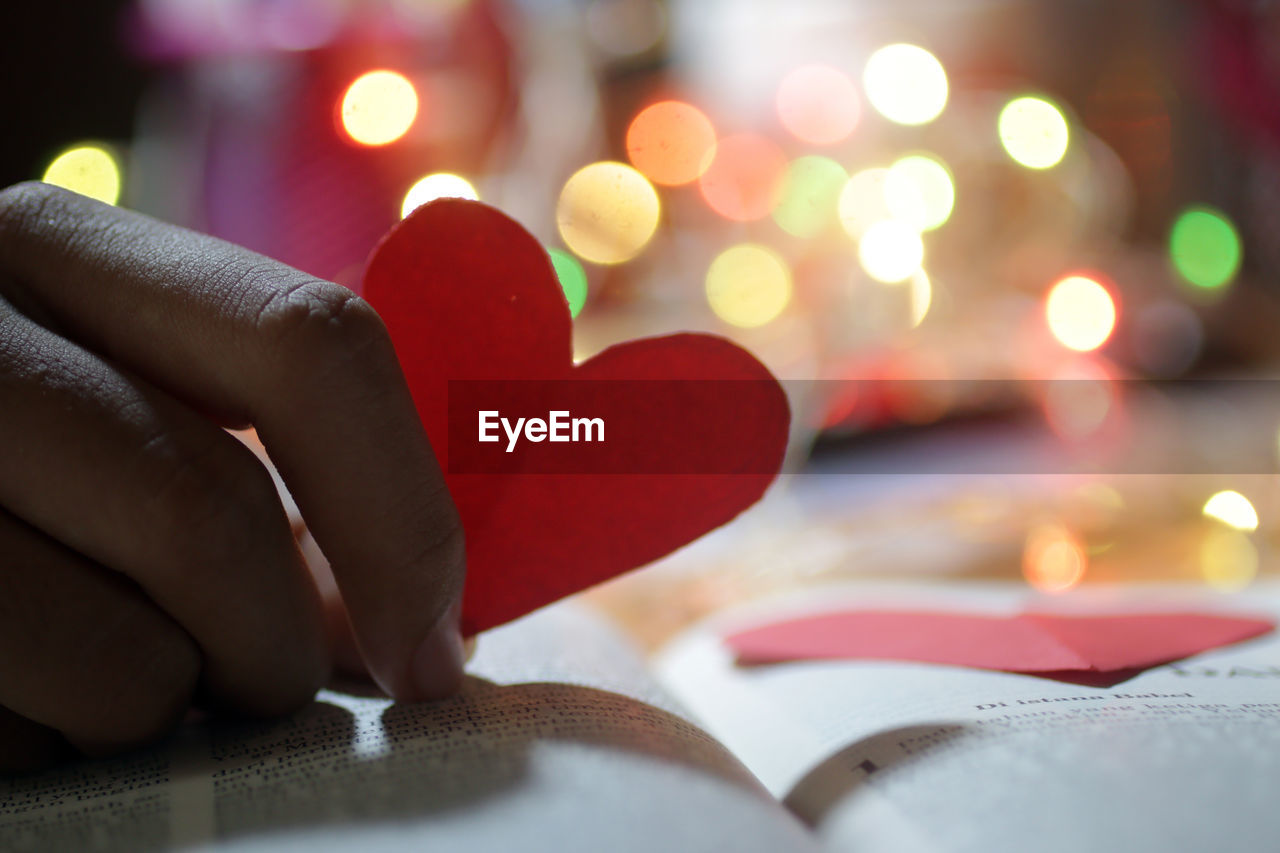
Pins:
x: 307, y: 362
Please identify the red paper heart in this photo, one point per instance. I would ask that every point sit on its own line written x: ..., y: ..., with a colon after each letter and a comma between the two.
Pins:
x: 468, y: 294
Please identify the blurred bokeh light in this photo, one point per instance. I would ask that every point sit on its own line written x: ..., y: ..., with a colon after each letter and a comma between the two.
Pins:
x: 919, y: 189
x: 748, y: 285
x: 906, y: 84
x: 1232, y: 509
x: 1034, y: 132
x: 1081, y: 313
x: 432, y: 187
x: 671, y: 142
x: 572, y: 277
x: 1053, y: 560
x: 746, y: 178
x: 811, y: 191
x: 379, y: 107
x: 818, y: 104
x: 890, y: 251
x: 607, y: 213
x: 1205, y: 247
x: 90, y: 170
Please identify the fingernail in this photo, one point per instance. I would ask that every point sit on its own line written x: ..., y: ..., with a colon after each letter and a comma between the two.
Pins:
x: 436, y: 666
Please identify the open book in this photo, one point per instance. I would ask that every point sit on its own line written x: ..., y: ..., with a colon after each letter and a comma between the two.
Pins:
x: 565, y: 739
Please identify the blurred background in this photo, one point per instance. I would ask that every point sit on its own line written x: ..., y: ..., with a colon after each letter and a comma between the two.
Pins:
x: 1018, y: 261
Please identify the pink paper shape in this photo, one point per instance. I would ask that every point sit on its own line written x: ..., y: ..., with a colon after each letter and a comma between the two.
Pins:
x: 1027, y: 643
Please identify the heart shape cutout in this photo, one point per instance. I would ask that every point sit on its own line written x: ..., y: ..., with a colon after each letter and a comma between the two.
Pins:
x: 1037, y: 643
x: 694, y: 426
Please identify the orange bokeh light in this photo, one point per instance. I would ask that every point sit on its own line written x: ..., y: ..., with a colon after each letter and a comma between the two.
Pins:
x: 671, y: 142
x: 1054, y: 560
x: 818, y: 104
x: 746, y: 177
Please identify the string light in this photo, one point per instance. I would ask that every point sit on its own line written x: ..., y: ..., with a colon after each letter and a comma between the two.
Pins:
x: 1205, y: 247
x: 919, y: 189
x: 745, y: 180
x: 671, y: 142
x: 1232, y: 509
x: 432, y: 187
x: 863, y: 201
x: 379, y: 107
x: 1034, y: 132
x: 748, y: 285
x: 818, y: 104
x: 1053, y: 560
x: 572, y: 277
x: 90, y: 170
x: 890, y: 251
x: 921, y: 297
x: 1228, y: 560
x: 607, y: 213
x: 906, y: 84
x: 810, y: 194
x: 1081, y: 313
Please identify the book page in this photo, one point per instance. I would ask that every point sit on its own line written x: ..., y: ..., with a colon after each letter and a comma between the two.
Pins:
x: 560, y: 741
x: 904, y: 757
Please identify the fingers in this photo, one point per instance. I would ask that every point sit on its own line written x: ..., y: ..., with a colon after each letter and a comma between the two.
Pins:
x: 83, y: 652
x: 25, y: 745
x: 343, y: 650
x: 308, y: 363
x: 136, y: 482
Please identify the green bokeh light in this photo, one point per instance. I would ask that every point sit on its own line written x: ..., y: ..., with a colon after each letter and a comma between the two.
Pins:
x: 810, y: 195
x: 573, y: 279
x: 1205, y: 247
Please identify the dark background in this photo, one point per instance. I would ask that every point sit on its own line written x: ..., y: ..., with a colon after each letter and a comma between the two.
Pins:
x: 66, y: 78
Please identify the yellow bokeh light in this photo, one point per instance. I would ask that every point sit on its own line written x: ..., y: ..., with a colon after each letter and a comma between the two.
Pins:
x: 1228, y: 560
x: 432, y: 187
x: 1034, y: 132
x: 1081, y: 313
x: 906, y: 84
x: 1053, y: 560
x: 86, y: 169
x: 863, y: 201
x: 1232, y: 509
x: 379, y: 107
x: 891, y: 251
x: 607, y: 213
x: 748, y: 285
x: 921, y: 297
x: 919, y: 190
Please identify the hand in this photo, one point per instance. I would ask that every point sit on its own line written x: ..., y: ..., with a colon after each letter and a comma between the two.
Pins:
x: 146, y: 562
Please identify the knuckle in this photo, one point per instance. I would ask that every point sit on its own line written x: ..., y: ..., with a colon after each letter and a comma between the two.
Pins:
x: 212, y: 500
x: 317, y: 321
x: 152, y: 668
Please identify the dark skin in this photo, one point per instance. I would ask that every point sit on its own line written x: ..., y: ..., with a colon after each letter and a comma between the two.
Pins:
x: 146, y: 562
